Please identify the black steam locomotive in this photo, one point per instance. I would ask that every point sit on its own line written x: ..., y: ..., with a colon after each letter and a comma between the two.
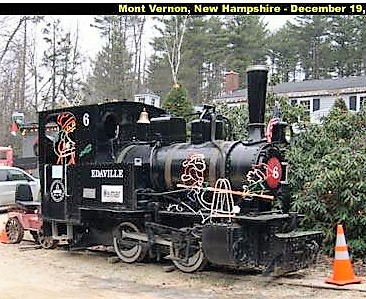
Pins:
x: 123, y: 174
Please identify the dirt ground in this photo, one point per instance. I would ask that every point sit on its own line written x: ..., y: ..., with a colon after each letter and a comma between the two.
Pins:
x: 95, y: 274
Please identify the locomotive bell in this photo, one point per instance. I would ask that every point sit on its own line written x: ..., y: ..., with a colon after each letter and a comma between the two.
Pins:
x: 144, y: 117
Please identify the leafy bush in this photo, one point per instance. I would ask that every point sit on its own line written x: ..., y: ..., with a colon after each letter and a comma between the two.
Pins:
x: 239, y: 119
x: 328, y: 177
x: 290, y: 114
x: 327, y: 170
x: 239, y: 116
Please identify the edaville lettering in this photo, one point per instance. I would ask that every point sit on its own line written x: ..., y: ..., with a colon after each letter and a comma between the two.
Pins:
x: 106, y: 173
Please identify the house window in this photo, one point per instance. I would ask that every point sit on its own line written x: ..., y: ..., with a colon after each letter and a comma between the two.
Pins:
x: 352, y: 103
x: 141, y: 100
x: 306, y: 104
x: 153, y: 102
x: 293, y: 103
x: 362, y: 100
x: 316, y: 104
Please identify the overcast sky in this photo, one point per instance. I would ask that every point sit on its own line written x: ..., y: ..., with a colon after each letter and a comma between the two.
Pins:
x: 91, y: 43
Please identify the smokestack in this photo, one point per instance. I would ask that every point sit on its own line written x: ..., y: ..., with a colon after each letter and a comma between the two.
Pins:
x: 257, y: 89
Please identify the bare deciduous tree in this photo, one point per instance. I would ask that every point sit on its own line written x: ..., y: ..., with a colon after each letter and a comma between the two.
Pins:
x: 11, y: 37
x: 137, y: 23
x: 173, y: 44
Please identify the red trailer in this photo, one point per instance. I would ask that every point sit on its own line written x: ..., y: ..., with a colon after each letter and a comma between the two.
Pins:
x: 6, y: 156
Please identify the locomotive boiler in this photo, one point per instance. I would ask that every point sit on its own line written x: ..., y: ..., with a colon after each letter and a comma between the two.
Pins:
x: 124, y: 174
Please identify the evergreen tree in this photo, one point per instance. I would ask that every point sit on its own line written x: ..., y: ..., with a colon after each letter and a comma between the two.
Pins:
x: 246, y: 43
x: 346, y: 37
x: 361, y: 23
x: 112, y: 74
x: 284, y: 54
x: 313, y: 45
x: 177, y: 103
x: 340, y: 104
x: 320, y: 47
x: 203, y: 58
x: 211, y: 46
x: 159, y: 78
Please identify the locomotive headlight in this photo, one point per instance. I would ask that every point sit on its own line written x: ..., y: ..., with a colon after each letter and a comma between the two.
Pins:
x: 288, y: 134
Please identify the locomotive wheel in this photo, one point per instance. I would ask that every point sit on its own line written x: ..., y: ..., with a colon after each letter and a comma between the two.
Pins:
x: 14, y: 229
x: 47, y: 242
x: 196, y: 260
x: 129, y: 250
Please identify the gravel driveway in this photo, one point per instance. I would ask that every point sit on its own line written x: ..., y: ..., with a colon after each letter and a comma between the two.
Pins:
x: 96, y: 274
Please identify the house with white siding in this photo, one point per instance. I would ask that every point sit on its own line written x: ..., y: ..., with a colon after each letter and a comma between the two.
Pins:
x: 317, y: 96
x: 148, y: 97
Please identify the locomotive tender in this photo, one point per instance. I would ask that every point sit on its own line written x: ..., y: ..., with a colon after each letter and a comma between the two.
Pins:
x: 123, y: 174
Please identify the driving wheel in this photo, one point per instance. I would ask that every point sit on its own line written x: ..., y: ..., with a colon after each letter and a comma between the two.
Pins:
x: 47, y: 242
x: 188, y: 256
x: 128, y: 250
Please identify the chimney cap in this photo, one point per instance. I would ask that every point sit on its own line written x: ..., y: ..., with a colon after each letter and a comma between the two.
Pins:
x: 231, y: 72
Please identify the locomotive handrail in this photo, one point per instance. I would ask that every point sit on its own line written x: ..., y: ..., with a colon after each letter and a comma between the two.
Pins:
x: 65, y: 175
x: 162, y: 193
x: 45, y: 178
x: 285, y: 182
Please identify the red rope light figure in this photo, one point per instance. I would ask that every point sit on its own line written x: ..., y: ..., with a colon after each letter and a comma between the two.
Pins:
x: 64, y: 146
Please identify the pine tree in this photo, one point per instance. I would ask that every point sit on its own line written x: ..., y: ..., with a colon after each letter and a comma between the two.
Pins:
x: 284, y: 54
x: 346, y: 45
x: 159, y: 77
x: 246, y: 43
x: 177, y: 103
x: 203, y: 57
x: 339, y: 106
x: 112, y: 73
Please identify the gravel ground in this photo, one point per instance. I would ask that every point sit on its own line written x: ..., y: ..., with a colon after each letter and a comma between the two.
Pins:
x: 95, y: 274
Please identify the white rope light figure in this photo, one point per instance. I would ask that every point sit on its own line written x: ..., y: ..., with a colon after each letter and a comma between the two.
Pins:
x: 223, y: 202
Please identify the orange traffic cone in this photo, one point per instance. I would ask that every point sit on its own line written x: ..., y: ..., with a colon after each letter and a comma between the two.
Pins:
x: 4, y: 236
x: 342, y: 267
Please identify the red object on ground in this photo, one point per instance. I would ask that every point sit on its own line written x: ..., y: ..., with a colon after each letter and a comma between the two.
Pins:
x: 4, y: 236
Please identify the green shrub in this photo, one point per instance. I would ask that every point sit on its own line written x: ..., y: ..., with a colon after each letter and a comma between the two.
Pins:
x: 327, y: 170
x: 328, y: 177
x: 177, y: 103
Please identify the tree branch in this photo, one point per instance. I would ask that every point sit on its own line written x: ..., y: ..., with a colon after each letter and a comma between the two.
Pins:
x: 11, y: 38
